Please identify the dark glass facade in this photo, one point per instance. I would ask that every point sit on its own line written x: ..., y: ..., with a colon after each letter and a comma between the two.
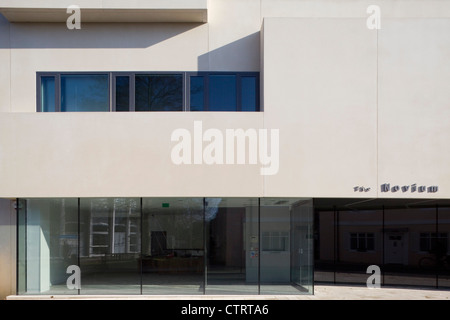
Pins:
x: 148, y: 91
x: 220, y: 246
x: 407, y: 239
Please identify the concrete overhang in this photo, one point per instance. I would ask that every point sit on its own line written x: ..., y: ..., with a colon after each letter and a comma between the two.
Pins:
x: 106, y: 10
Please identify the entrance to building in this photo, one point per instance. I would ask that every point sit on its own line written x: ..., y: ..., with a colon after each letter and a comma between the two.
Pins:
x: 225, y: 243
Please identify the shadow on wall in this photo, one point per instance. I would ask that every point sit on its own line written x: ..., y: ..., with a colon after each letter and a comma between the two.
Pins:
x: 240, y: 55
x: 91, y: 35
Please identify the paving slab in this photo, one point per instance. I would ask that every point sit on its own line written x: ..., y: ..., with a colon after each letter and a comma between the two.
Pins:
x: 321, y: 292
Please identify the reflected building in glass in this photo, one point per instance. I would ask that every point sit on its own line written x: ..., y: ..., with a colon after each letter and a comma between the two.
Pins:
x: 189, y: 246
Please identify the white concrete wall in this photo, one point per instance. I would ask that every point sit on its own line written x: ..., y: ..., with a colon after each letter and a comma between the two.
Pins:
x: 413, y: 104
x: 320, y: 91
x: 358, y: 107
x: 116, y: 154
x: 5, y: 65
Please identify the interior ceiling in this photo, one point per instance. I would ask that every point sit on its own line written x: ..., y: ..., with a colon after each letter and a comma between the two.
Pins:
x: 320, y: 204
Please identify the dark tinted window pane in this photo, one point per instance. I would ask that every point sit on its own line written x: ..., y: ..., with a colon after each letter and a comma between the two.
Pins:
x: 197, y: 94
x: 48, y: 94
x: 370, y: 242
x: 353, y: 242
x: 222, y: 93
x: 159, y: 92
x: 123, y: 93
x: 84, y: 93
x: 361, y: 243
x: 248, y: 94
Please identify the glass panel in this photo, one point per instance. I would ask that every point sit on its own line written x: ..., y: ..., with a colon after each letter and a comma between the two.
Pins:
x: 48, y: 94
x: 286, y: 265
x: 325, y: 247
x: 302, y: 262
x: 122, y: 93
x: 197, y: 93
x: 110, y: 246
x: 222, y: 93
x: 232, y: 245
x: 444, y: 248
x: 248, y: 94
x: 51, y: 245
x: 21, y: 247
x: 84, y: 93
x: 356, y: 232
x: 159, y: 92
x: 403, y: 247
x: 172, y: 246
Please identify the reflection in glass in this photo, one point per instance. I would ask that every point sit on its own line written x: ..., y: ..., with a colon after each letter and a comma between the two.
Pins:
x: 222, y: 93
x: 197, y: 93
x: 359, y: 240
x: 82, y: 93
x: 122, y: 93
x: 232, y: 245
x: 444, y: 247
x: 302, y: 262
x: 325, y: 246
x: 110, y: 245
x: 248, y: 94
x: 21, y: 246
x: 402, y: 246
x: 159, y: 92
x: 286, y: 239
x: 48, y: 94
x: 48, y: 244
x: 172, y: 246
x: 165, y: 245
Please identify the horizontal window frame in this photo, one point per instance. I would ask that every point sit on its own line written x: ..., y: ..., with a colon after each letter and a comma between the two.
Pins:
x: 185, y: 75
x: 239, y: 75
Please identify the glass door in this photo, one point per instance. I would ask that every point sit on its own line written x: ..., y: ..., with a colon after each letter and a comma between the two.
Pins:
x: 302, y: 245
x: 231, y: 233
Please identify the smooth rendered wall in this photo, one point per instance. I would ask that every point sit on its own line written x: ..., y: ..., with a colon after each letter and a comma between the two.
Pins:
x: 5, y: 65
x: 413, y: 105
x: 320, y: 92
x: 119, y: 155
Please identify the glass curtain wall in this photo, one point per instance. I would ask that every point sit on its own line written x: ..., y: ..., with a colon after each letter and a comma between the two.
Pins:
x: 166, y: 246
x: 110, y: 245
x: 359, y: 240
x: 47, y: 244
x: 443, y: 254
x: 286, y: 265
x: 409, y: 244
x: 231, y: 234
x: 173, y: 255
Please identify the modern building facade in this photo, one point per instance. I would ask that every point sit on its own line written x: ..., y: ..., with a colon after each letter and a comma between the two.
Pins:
x: 223, y: 146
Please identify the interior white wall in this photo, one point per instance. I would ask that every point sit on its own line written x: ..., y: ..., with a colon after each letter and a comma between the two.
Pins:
x: 275, y: 265
x: 38, y: 246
